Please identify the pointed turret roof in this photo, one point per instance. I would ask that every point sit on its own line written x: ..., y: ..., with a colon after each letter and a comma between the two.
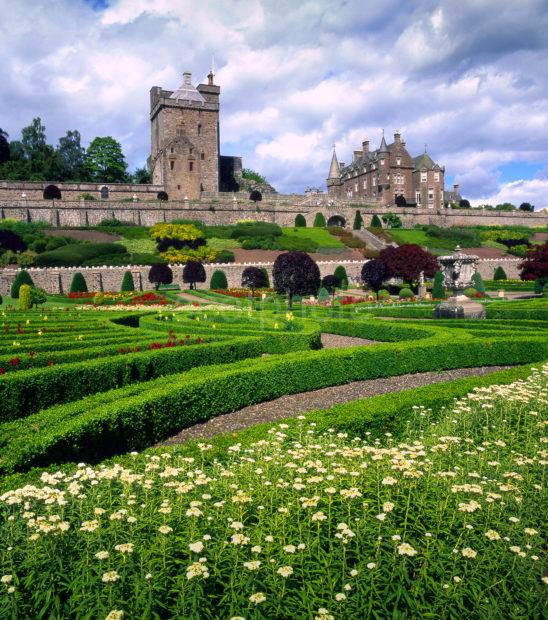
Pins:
x: 383, y: 148
x: 334, y: 170
x: 187, y: 92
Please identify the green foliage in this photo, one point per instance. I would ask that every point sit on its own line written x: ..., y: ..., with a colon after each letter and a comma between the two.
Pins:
x: 376, y: 222
x: 383, y: 294
x: 105, y: 162
x: 266, y: 276
x: 25, y: 297
x: 300, y: 220
x: 438, y: 289
x: 323, y: 294
x: 252, y: 175
x: 358, y: 221
x: 340, y: 272
x: 500, y: 274
x: 392, y: 220
x: 127, y: 282
x: 98, y: 299
x: 319, y: 220
x: 78, y: 284
x: 406, y: 293
x: 218, y: 280
x: 76, y: 254
x: 23, y: 277
x: 478, y: 283
x: 38, y: 296
x: 470, y: 292
x: 225, y: 256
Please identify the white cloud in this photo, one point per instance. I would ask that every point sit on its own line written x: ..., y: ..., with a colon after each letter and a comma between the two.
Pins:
x: 534, y: 191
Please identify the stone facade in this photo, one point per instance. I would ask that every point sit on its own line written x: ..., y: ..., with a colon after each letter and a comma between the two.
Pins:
x: 387, y: 173
x: 58, y: 279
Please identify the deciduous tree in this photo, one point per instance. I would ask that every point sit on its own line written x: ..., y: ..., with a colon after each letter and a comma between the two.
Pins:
x: 407, y: 261
x: 374, y: 273
x: 193, y: 272
x: 295, y: 273
x: 105, y: 161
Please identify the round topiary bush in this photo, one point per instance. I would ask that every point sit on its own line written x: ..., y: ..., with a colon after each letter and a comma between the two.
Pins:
x: 193, y: 272
x: 78, y: 284
x: 300, y: 221
x: 295, y: 273
x: 160, y: 274
x: 218, y: 280
x: 470, y: 292
x: 406, y: 293
x: 340, y: 272
x: 22, y: 277
x: 383, y: 294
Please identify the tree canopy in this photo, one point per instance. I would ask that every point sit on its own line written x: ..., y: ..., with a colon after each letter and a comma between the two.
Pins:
x: 407, y: 261
x: 374, y: 273
x: 295, y: 273
x: 160, y: 274
x: 535, y: 263
x: 253, y: 278
x: 105, y: 161
x: 193, y: 272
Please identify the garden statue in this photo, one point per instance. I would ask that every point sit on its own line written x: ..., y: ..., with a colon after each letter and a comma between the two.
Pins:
x: 458, y: 269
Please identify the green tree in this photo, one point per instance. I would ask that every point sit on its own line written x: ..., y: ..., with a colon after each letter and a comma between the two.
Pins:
x: 266, y: 277
x: 376, y: 222
x: 39, y: 156
x: 524, y: 206
x: 71, y: 157
x: 392, y: 220
x: 500, y: 274
x: 33, y: 138
x: 141, y: 175
x: 505, y: 206
x: 478, y: 283
x: 358, y: 220
x: 105, y: 162
x: 319, y: 221
x: 38, y: 296
x: 252, y: 175
x: 23, y: 277
x: 438, y: 290
x: 78, y: 284
x: 340, y: 273
x: 127, y: 283
x: 300, y: 221
x: 218, y: 280
x: 4, y: 147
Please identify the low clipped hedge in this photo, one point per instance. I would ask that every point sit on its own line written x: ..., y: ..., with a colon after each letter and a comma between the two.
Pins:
x: 135, y: 417
x: 24, y: 393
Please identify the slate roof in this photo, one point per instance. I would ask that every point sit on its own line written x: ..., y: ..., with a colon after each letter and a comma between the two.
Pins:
x: 187, y: 92
x: 424, y: 161
x: 334, y: 170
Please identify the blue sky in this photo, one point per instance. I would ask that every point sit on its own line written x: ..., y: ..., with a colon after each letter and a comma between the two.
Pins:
x: 469, y: 78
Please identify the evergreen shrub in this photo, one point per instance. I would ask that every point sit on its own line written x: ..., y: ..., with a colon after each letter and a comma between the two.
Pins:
x: 78, y: 284
x: 218, y: 280
x: 127, y: 282
x: 25, y: 297
x: 23, y: 277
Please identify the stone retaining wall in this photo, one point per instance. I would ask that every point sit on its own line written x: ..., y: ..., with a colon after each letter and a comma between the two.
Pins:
x: 57, y: 280
x: 147, y: 213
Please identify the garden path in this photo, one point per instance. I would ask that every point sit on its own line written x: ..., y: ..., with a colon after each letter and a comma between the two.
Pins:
x: 294, y: 404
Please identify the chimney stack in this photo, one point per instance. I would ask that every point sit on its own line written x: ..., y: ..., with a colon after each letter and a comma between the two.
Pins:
x: 187, y: 77
x: 456, y: 188
x: 357, y: 155
x: 397, y: 136
x: 365, y: 146
x: 210, y: 77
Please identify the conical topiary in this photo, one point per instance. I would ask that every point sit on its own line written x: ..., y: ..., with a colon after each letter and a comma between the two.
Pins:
x: 500, y: 274
x: 218, y: 280
x: 358, y: 221
x: 319, y: 221
x: 78, y: 284
x: 376, y: 222
x: 340, y: 272
x: 127, y: 283
x: 478, y: 283
x: 323, y: 294
x: 22, y: 277
x: 267, y: 279
x: 300, y: 221
x: 438, y: 290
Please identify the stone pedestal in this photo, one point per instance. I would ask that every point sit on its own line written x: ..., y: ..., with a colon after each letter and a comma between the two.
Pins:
x: 459, y: 307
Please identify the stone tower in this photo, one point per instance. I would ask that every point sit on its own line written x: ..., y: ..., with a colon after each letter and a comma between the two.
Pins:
x: 185, y: 138
x: 334, y: 181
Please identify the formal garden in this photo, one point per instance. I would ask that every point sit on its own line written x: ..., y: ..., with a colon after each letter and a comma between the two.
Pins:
x: 295, y: 447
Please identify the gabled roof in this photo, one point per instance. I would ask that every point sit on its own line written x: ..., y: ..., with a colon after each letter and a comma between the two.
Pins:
x: 423, y: 161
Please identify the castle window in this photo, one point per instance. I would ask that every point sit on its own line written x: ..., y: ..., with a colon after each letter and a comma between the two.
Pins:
x: 178, y: 187
x: 171, y: 165
x: 179, y: 132
x: 202, y: 156
x: 104, y: 193
x: 355, y: 187
x: 382, y: 162
x: 171, y: 150
x: 436, y: 176
x: 418, y: 197
x: 191, y: 150
x: 423, y: 177
x: 398, y: 161
x: 365, y: 184
x: 430, y: 194
x: 199, y: 129
x: 190, y: 166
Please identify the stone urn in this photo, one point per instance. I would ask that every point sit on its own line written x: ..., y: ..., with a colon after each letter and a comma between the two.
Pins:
x: 458, y: 269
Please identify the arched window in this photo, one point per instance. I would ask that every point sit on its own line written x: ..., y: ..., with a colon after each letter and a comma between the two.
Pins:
x: 52, y: 192
x: 104, y: 192
x: 199, y: 129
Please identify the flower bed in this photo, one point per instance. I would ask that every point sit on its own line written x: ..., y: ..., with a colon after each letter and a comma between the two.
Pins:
x: 299, y: 524
x: 244, y: 292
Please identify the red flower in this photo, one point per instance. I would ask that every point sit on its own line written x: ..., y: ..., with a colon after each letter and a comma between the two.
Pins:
x: 51, y: 362
x: 14, y: 361
x: 32, y: 353
x: 2, y: 371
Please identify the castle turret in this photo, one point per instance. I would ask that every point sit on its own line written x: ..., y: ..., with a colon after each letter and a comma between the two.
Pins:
x: 334, y: 181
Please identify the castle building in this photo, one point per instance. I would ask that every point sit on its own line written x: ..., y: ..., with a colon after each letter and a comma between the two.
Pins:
x: 388, y: 174
x: 184, y: 156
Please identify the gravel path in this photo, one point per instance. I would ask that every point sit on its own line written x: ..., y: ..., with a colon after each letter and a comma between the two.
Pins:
x: 334, y: 341
x: 295, y: 404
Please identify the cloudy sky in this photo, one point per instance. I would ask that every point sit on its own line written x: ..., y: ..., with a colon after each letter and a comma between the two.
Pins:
x: 467, y: 77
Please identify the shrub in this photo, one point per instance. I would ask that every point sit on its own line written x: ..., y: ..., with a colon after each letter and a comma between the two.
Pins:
x: 98, y: 299
x: 408, y: 261
x: 383, y: 294
x: 12, y: 241
x: 438, y: 290
x: 193, y: 272
x: 478, y: 283
x: 539, y: 285
x: 266, y: 277
x: 376, y: 222
x: 218, y: 280
x: 300, y: 221
x: 23, y: 277
x: 38, y: 296
x: 535, y: 264
x: 76, y: 254
x: 374, y: 273
x: 358, y: 221
x: 323, y: 295
x: 254, y: 278
x: 500, y: 274
x: 331, y: 284
x: 127, y: 282
x: 25, y: 297
x: 160, y: 274
x: 78, y: 284
x: 406, y: 293
x: 340, y: 272
x: 225, y: 256
x: 319, y: 220
x: 471, y: 292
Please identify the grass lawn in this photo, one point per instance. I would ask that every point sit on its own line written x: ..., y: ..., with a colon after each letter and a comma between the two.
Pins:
x: 321, y: 236
x: 434, y: 244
